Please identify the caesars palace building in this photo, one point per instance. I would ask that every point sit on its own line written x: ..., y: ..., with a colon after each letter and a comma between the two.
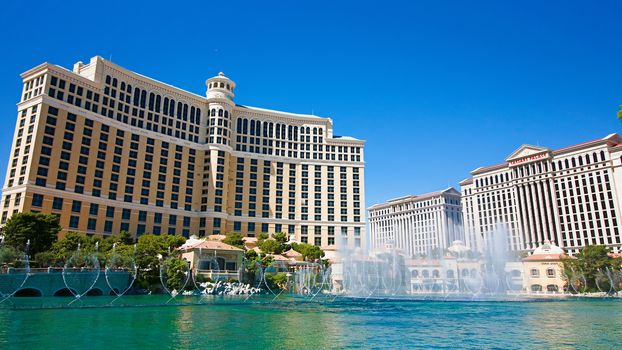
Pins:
x: 110, y: 150
x: 570, y: 196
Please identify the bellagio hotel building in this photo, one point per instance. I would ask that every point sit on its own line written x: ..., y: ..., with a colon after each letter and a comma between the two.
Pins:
x: 108, y: 150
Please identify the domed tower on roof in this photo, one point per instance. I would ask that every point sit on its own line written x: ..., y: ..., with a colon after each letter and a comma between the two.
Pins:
x: 220, y: 109
x: 219, y: 87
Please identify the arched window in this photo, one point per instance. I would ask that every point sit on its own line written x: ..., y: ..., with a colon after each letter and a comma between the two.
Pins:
x: 602, y: 156
x: 536, y: 288
x: 283, y: 132
x: 265, y: 129
x: 252, y: 127
x: 226, y: 114
x: 271, y: 130
x: 114, y: 82
x: 108, y: 79
x: 136, y: 96
x: 165, y: 106
x: 414, y: 273
x: 123, y: 85
x: 587, y: 159
x: 143, y: 98
x: 278, y: 131
x: 314, y: 131
x: 151, y: 101
x: 553, y: 166
x: 425, y: 273
x: 180, y: 108
x: 239, y: 126
x: 192, y: 114
x: 552, y: 288
x: 129, y: 88
x: 213, y: 114
x: 258, y: 129
x: 220, y: 112
x: 171, y: 108
x: 595, y: 157
x: 185, y: 115
x: 574, y: 163
x: 245, y: 126
x: 290, y: 132
x: 566, y: 163
x: 157, y: 104
x: 197, y: 119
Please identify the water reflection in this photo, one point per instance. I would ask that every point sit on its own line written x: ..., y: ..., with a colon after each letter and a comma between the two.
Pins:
x: 343, y: 324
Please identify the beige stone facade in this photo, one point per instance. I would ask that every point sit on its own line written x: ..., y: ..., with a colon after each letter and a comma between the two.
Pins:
x: 571, y: 197
x: 418, y: 225
x: 109, y: 150
x: 543, y: 270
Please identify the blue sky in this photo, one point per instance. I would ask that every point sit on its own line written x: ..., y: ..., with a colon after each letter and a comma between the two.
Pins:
x: 437, y: 88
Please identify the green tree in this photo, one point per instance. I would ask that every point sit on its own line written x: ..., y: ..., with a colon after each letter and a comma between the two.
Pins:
x: 620, y: 113
x: 271, y: 246
x: 149, y: 249
x: 280, y: 237
x: 175, y: 272
x: 309, y: 252
x: 38, y: 228
x: 9, y: 255
x: 590, y: 262
x: 234, y: 239
x: 277, y: 280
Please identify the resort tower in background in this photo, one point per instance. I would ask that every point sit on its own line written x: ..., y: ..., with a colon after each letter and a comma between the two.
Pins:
x: 570, y: 196
x: 417, y: 225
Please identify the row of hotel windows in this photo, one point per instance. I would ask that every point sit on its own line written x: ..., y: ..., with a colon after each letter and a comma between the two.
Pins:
x: 253, y: 189
x: 541, y: 167
x: 18, y: 146
x: 75, y: 95
x: 110, y: 215
x: 130, y: 171
x: 33, y: 87
x: 269, y: 141
x: 414, y: 205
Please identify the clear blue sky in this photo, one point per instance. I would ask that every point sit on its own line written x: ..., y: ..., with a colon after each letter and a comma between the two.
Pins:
x: 437, y: 88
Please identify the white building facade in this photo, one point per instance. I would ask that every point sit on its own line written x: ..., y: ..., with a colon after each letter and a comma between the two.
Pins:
x: 570, y: 196
x: 417, y: 225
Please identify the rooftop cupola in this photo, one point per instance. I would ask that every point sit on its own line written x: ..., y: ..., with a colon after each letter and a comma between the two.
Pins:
x: 220, y: 87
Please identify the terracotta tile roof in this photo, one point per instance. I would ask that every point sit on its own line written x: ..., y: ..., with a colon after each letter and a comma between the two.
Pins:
x: 291, y: 254
x: 210, y: 244
x: 545, y: 257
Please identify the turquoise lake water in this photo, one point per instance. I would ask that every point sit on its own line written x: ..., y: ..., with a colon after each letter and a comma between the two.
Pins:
x: 290, y: 324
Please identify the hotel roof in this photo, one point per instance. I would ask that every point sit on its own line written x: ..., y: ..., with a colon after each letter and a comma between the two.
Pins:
x: 613, y: 140
x: 411, y: 198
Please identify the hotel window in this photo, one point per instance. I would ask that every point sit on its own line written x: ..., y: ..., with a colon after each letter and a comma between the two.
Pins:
x: 237, y: 226
x: 73, y: 221
x: 76, y: 206
x: 550, y: 273
x: 92, y: 224
x: 57, y: 203
x: 535, y: 273
x: 37, y: 200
